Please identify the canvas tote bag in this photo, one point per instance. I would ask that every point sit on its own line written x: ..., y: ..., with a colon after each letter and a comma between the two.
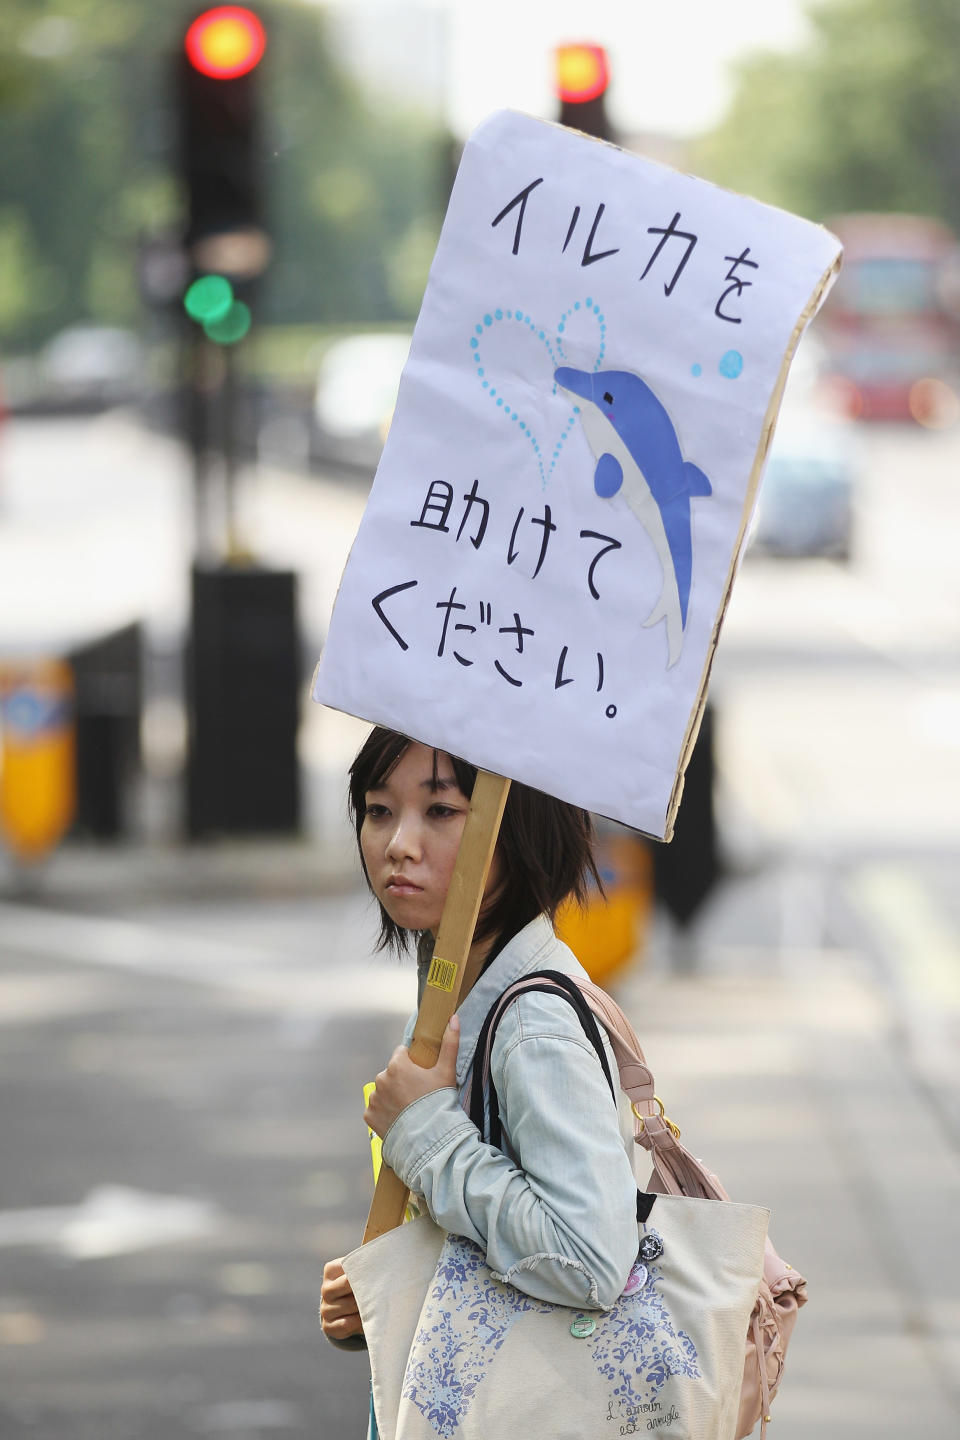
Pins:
x: 457, y: 1354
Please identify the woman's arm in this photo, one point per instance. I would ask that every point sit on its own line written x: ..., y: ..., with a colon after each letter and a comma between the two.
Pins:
x: 562, y: 1226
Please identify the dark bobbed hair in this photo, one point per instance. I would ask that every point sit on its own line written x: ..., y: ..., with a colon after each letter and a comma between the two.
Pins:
x: 545, y: 845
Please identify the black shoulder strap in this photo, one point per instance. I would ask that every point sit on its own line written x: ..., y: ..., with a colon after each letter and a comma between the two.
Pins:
x: 554, y: 982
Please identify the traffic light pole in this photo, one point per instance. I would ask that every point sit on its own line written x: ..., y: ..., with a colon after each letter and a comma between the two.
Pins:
x: 212, y: 414
x: 196, y: 350
x: 228, y: 450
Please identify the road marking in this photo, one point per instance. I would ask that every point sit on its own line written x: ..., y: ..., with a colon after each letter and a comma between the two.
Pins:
x: 246, y: 1278
x: 112, y: 1220
x: 122, y: 944
x: 259, y: 977
x: 21, y: 1327
x: 250, y: 1417
x: 921, y: 942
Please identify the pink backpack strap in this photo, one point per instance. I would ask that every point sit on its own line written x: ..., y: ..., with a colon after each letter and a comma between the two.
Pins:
x: 675, y: 1170
x: 636, y: 1077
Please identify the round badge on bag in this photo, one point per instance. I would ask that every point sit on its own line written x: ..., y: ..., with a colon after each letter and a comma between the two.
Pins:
x: 636, y: 1279
x: 651, y: 1247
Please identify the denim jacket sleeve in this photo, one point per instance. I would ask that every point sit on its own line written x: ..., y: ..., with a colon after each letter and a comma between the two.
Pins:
x: 560, y: 1222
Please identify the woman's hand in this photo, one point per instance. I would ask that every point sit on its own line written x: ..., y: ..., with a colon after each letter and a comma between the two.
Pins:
x: 404, y: 1081
x: 339, y: 1316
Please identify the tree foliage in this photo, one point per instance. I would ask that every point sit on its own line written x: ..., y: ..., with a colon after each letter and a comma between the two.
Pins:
x: 87, y: 167
x: 354, y: 191
x: 864, y: 117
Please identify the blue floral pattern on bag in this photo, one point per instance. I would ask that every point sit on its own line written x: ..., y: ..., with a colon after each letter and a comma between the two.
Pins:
x: 447, y: 1362
x: 469, y: 1315
x: 637, y: 1343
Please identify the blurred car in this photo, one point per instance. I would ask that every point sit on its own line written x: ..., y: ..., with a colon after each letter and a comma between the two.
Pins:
x: 91, y: 367
x: 807, y: 499
x: 356, y: 392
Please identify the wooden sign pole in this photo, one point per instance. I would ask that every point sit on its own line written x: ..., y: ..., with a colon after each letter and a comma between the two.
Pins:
x: 449, y: 976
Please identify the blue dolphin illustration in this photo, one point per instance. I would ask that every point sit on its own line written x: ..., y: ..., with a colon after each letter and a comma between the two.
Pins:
x: 638, y: 454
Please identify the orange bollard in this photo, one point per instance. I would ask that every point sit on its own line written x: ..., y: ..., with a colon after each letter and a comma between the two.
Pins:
x: 37, y: 755
x: 605, y: 934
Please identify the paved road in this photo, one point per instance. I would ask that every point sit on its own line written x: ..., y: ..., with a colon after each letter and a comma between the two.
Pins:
x: 181, y: 1061
x: 182, y: 1151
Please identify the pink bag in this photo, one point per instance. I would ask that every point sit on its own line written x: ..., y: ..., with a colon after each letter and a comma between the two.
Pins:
x: 676, y: 1172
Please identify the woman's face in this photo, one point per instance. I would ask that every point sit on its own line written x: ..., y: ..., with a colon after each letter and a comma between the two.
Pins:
x: 410, y: 836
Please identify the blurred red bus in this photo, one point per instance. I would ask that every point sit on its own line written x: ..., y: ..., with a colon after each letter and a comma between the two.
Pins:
x: 891, y: 324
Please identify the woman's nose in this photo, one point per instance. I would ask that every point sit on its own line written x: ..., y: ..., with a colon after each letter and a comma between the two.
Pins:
x: 404, y: 842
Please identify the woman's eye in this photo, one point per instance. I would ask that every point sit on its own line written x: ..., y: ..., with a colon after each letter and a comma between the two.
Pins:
x: 441, y: 812
x: 375, y: 812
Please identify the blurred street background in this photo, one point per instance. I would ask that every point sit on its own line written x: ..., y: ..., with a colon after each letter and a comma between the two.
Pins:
x: 213, y: 245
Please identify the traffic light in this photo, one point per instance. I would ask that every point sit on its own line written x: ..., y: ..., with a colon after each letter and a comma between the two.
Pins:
x: 220, y: 141
x: 581, y: 78
x: 210, y: 301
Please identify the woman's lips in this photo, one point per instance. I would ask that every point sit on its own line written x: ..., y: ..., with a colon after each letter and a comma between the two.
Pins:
x: 397, y: 886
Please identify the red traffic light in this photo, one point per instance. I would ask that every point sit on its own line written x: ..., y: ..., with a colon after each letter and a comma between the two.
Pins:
x: 225, y: 42
x: 582, y: 73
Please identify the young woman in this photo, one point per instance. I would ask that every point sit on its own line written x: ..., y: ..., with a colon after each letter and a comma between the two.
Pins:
x: 555, y: 1208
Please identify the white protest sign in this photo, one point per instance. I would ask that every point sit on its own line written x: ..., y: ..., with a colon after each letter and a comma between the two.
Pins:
x: 541, y: 571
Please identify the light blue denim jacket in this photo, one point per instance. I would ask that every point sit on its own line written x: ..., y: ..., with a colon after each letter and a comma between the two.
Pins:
x: 555, y: 1210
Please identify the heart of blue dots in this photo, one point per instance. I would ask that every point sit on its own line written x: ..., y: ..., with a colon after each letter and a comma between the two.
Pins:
x: 554, y: 347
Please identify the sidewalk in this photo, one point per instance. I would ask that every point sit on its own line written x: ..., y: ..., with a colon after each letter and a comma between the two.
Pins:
x: 788, y: 1084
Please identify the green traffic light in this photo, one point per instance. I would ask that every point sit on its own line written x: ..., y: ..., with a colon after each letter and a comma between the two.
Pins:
x: 208, y: 299
x: 230, y: 327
